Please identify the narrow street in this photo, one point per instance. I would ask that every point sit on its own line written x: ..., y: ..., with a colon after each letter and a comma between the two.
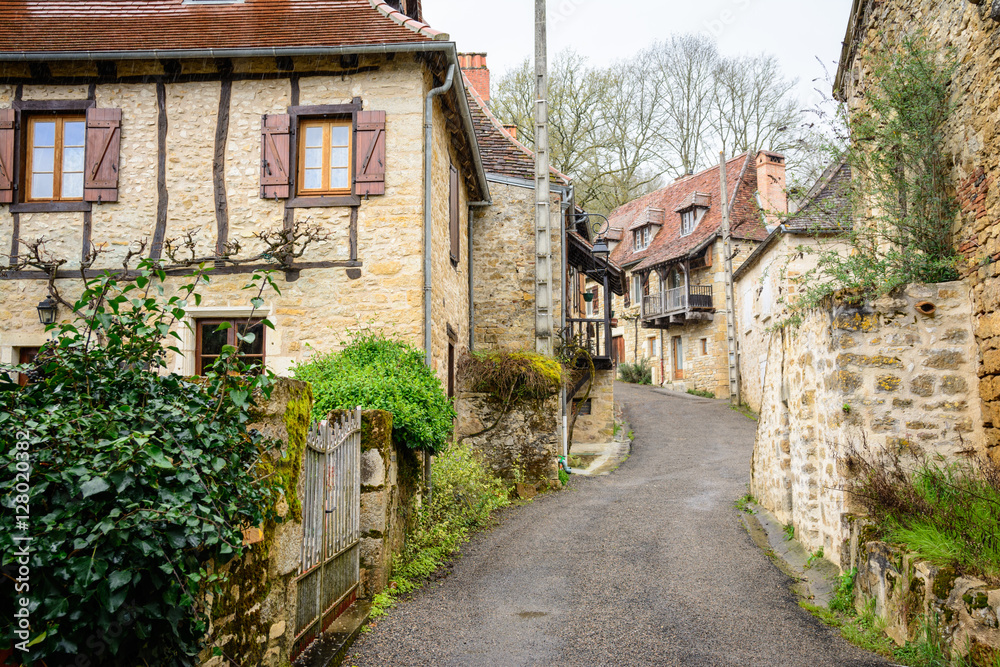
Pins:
x: 647, y: 566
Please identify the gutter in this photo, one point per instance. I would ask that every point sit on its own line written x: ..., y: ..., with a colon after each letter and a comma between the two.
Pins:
x: 428, y: 203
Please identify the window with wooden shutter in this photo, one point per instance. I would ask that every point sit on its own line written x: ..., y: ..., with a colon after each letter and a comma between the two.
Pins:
x: 370, y: 174
x: 275, y: 152
x: 454, y: 210
x: 100, y: 178
x: 6, y: 156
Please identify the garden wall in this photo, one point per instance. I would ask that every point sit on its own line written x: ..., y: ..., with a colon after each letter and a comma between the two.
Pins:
x: 525, y: 440
x: 252, y: 621
x: 867, y: 376
x: 598, y: 427
x: 908, y: 592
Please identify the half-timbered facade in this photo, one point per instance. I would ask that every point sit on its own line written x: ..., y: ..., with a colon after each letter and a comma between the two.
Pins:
x: 183, y: 128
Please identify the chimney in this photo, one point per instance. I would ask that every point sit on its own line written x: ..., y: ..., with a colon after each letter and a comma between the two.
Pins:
x: 771, y: 186
x: 511, y: 130
x: 474, y: 67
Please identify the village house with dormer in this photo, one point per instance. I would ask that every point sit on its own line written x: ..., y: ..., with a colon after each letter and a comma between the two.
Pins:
x: 669, y: 243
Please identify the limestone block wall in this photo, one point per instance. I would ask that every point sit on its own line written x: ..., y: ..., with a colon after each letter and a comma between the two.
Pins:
x: 866, y: 377
x: 599, y: 426
x: 503, y: 249
x: 316, y: 308
x: 973, y: 147
x: 525, y: 442
x: 254, y: 616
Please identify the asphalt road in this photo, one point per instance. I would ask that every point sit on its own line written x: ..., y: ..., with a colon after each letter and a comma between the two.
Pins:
x: 648, y: 566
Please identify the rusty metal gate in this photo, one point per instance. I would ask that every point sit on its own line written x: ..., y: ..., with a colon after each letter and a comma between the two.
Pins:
x: 331, y: 506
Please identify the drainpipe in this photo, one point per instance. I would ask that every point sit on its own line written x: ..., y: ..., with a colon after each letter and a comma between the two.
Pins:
x: 428, y: 245
x: 472, y: 293
x: 428, y: 203
x: 563, y: 301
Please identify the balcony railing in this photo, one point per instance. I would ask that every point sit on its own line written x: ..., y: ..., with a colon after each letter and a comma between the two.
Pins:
x: 677, y: 300
x: 591, y: 334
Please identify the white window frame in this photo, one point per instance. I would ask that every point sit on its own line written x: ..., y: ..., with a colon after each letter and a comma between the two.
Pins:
x: 690, y: 219
x: 641, y: 238
x: 636, y: 288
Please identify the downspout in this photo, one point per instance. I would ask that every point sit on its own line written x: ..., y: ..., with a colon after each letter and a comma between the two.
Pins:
x: 428, y: 203
x: 472, y: 292
x: 428, y: 245
x: 564, y: 284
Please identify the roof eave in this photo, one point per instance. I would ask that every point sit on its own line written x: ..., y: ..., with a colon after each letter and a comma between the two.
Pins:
x: 847, y: 50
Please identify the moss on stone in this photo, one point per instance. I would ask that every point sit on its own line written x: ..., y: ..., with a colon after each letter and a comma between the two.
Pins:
x: 975, y: 600
x: 944, y: 581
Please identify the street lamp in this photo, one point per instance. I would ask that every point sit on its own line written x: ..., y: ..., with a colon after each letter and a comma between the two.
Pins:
x: 47, y: 310
x: 600, y: 249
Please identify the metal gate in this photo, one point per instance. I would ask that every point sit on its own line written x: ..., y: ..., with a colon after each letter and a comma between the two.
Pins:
x: 331, y: 507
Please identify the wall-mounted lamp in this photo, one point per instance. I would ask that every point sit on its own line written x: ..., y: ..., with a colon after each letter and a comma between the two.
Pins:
x: 47, y: 311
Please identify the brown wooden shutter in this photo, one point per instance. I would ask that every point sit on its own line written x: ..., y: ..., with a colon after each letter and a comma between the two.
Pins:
x: 275, y: 152
x: 455, y: 232
x: 104, y: 138
x: 370, y: 159
x: 6, y: 156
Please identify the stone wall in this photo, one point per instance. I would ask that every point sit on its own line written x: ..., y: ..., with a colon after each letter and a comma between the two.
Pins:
x: 599, y: 426
x: 254, y: 617
x: 504, y: 268
x: 315, y: 309
x: 910, y: 592
x: 867, y: 377
x: 973, y: 148
x: 524, y: 444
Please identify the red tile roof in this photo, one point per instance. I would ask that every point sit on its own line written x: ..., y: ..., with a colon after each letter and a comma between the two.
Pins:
x: 668, y: 245
x: 138, y: 25
x: 502, y: 154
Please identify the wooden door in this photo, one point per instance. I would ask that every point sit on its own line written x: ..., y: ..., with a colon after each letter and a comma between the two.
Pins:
x: 619, y: 349
x: 25, y: 356
x: 678, y: 352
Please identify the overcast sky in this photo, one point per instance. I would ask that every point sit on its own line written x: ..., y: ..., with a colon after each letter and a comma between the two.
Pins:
x: 795, y: 31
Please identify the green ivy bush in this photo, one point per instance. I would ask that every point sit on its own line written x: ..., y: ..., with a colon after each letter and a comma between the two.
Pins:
x: 138, y: 478
x: 638, y: 373
x: 380, y: 373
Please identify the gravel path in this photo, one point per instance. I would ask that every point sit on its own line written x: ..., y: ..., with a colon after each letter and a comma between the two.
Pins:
x: 648, y: 566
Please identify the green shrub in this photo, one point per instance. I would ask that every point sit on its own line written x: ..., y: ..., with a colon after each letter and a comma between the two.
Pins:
x: 638, y: 373
x: 702, y: 393
x: 465, y: 496
x: 137, y: 479
x: 379, y: 373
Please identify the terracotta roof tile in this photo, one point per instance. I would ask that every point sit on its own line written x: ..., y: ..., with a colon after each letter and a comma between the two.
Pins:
x: 827, y: 206
x: 107, y: 25
x: 501, y: 153
x: 668, y: 245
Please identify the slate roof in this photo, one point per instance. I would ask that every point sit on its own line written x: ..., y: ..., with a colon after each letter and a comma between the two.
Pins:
x: 502, y: 154
x: 827, y: 205
x: 668, y: 245
x: 826, y: 209
x: 140, y: 25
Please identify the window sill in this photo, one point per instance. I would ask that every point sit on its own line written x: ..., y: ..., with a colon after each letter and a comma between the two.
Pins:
x: 323, y: 202
x: 51, y: 207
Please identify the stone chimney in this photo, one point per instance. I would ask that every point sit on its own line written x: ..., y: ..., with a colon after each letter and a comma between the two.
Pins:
x: 511, y: 130
x: 771, y: 186
x: 474, y: 67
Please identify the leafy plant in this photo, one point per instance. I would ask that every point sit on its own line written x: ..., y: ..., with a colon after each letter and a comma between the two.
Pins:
x: 512, y: 376
x: 379, y: 373
x: 843, y: 597
x: 789, y: 531
x: 138, y: 479
x: 701, y: 392
x: 745, y: 503
x: 898, y: 226
x: 638, y: 373
x: 563, y: 477
x: 814, y: 556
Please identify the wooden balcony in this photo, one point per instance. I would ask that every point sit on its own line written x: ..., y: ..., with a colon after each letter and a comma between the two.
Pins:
x: 677, y: 306
x: 595, y: 335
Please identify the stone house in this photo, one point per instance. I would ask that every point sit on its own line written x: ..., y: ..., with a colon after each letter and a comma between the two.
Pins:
x: 669, y: 244
x: 122, y: 122
x: 503, y: 255
x: 970, y: 29
x: 765, y: 282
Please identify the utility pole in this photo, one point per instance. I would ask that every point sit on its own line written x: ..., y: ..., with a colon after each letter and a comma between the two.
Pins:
x: 543, y: 225
x: 727, y: 253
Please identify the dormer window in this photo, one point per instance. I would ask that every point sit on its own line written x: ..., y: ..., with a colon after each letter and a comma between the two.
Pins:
x: 641, y: 238
x: 690, y: 219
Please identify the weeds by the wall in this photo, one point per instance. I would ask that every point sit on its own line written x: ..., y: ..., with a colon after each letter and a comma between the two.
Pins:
x: 947, y: 513
x: 465, y: 496
x: 638, y: 373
